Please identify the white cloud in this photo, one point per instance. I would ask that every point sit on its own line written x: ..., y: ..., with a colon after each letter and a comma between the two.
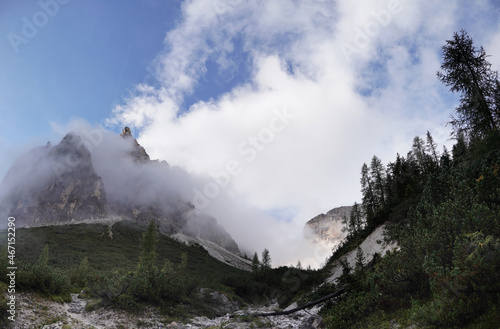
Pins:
x: 313, y: 163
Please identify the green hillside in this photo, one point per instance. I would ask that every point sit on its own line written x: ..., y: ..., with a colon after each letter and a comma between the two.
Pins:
x: 443, y: 211
x: 109, y: 248
x: 129, y: 266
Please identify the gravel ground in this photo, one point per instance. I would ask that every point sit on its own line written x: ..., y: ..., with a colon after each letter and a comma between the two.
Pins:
x: 34, y: 311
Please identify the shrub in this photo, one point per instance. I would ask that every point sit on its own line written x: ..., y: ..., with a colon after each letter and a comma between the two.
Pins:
x: 43, y: 278
x: 108, y: 286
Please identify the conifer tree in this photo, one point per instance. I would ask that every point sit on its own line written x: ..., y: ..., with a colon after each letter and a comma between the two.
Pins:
x: 356, y: 217
x: 149, y: 242
x: 266, y: 260
x: 255, y: 263
x: 432, y: 147
x: 419, y: 152
x: 354, y: 223
x: 377, y: 172
x: 299, y: 265
x: 360, y: 260
x: 368, y: 193
x: 466, y: 71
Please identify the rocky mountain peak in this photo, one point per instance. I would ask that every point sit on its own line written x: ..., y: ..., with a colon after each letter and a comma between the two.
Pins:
x: 138, y: 152
x: 126, y: 133
x: 68, y: 183
x: 328, y: 227
x: 56, y: 184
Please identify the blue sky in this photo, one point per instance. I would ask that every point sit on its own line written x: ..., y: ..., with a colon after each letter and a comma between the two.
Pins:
x: 298, y: 94
x: 78, y: 64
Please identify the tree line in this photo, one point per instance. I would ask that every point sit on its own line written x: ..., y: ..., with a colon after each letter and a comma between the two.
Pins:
x: 442, y: 209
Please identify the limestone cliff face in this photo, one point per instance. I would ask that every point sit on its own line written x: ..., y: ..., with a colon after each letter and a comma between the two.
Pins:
x: 54, y: 184
x: 328, y: 227
x: 67, y: 183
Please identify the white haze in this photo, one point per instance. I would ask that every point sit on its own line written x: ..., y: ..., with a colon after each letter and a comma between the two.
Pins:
x: 341, y: 110
x: 252, y: 229
x: 345, y: 108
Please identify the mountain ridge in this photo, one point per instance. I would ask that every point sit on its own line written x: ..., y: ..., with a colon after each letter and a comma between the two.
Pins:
x: 327, y: 228
x: 68, y: 183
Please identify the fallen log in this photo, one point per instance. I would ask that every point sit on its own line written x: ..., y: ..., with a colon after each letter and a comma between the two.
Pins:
x: 298, y: 308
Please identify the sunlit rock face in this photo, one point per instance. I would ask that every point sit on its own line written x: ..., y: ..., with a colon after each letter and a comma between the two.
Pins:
x: 327, y: 228
x: 68, y: 183
x: 54, y: 184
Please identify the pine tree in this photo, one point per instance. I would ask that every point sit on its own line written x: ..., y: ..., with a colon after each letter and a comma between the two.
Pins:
x: 377, y: 172
x: 266, y: 260
x: 460, y: 148
x: 445, y: 160
x: 432, y: 147
x: 255, y: 263
x: 149, y: 242
x: 368, y: 194
x: 354, y: 223
x: 419, y: 152
x: 346, y: 277
x: 356, y: 217
x: 466, y: 70
x: 299, y: 265
x: 360, y: 260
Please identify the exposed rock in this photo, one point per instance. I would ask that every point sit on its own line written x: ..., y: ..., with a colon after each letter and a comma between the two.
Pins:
x: 220, y: 303
x: 63, y: 184
x: 373, y: 244
x: 138, y: 152
x: 35, y: 312
x: 328, y: 227
x: 216, y: 251
x: 313, y: 322
x: 53, y: 185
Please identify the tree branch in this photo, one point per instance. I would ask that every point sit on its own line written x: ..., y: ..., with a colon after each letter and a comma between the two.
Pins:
x: 310, y: 304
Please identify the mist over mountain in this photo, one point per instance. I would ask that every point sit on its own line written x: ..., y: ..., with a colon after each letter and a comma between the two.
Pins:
x: 327, y: 228
x: 93, y: 175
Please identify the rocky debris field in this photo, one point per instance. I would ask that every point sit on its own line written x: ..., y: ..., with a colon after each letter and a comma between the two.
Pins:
x: 373, y: 244
x: 34, y: 311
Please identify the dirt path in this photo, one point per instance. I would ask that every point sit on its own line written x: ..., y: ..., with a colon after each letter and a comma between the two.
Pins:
x: 37, y: 312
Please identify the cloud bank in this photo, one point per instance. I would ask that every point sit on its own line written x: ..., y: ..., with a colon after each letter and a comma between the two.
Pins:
x: 331, y: 84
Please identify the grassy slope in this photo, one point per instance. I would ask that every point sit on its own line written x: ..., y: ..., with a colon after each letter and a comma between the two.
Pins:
x: 69, y: 244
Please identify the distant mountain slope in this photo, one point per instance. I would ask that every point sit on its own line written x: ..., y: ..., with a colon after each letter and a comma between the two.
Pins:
x: 75, y: 181
x: 54, y: 184
x: 110, y: 247
x: 327, y: 227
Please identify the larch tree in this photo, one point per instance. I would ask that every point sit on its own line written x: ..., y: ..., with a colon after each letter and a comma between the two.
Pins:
x: 266, y: 260
x: 255, y: 263
x: 432, y: 147
x: 368, y: 193
x: 465, y: 70
x: 377, y: 172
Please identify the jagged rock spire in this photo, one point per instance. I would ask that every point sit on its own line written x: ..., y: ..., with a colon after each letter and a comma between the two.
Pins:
x: 138, y: 152
x: 126, y: 133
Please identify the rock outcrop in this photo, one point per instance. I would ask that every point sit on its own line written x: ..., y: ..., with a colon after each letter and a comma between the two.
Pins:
x: 68, y: 183
x: 56, y: 184
x: 373, y: 244
x: 138, y: 152
x: 328, y: 227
